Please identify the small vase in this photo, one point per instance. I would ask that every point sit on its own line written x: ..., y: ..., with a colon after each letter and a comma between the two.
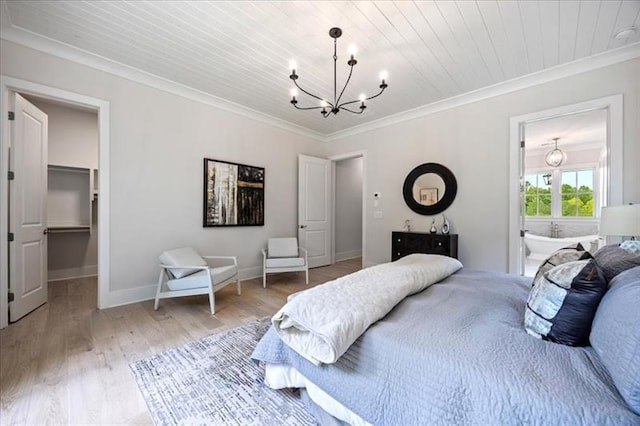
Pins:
x: 445, y: 226
x: 433, y: 229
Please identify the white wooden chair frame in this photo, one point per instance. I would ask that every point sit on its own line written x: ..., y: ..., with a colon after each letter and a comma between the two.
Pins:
x: 164, y: 293
x: 274, y: 270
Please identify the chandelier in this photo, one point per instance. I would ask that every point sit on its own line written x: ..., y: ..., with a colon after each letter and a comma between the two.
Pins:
x: 327, y: 107
x: 555, y: 157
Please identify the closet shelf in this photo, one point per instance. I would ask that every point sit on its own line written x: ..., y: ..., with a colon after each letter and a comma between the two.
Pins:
x: 56, y: 229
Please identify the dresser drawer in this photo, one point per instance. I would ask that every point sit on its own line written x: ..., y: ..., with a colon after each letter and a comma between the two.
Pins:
x: 404, y: 243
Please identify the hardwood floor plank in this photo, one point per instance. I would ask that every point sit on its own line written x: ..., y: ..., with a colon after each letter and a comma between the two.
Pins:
x: 68, y: 362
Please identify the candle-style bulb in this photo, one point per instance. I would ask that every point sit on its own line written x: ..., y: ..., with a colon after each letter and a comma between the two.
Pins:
x: 362, y: 97
x: 383, y: 75
x: 293, y: 93
x: 293, y: 66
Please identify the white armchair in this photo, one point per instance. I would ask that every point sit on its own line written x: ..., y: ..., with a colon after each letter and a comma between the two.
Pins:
x: 283, y: 255
x: 183, y: 272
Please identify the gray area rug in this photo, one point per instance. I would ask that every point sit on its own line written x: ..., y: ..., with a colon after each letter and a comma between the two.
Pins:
x: 214, y: 382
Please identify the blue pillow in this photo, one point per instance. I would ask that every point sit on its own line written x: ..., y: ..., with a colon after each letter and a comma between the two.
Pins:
x: 615, y: 334
x: 563, y: 302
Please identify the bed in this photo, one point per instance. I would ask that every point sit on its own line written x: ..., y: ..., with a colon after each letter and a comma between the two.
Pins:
x: 457, y: 353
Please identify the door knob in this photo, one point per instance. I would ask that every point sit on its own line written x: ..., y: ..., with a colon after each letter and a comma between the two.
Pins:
x: 45, y: 231
x: 303, y: 226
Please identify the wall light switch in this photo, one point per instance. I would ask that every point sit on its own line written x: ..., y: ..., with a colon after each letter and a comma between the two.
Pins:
x: 378, y: 214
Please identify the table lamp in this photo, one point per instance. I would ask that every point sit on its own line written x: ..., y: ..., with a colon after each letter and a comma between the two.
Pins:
x: 620, y: 221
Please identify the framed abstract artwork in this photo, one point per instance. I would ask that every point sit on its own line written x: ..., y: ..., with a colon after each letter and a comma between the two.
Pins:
x: 233, y: 194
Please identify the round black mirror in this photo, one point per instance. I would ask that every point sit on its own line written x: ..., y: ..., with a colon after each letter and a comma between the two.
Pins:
x: 429, y: 189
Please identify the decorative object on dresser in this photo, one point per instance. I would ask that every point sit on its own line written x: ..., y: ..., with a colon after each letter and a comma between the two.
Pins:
x: 404, y: 243
x: 446, y: 228
x: 433, y: 229
x: 429, y: 189
x: 233, y: 194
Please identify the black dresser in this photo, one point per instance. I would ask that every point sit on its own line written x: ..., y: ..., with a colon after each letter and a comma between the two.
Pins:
x: 404, y: 243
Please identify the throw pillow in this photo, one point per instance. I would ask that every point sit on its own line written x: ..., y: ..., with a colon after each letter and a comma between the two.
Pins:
x: 564, y: 255
x: 615, y: 335
x: 563, y: 302
x: 632, y: 246
x: 613, y: 260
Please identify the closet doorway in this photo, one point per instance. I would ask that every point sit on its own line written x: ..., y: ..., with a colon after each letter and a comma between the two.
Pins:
x: 100, y: 108
x: 348, y: 208
x: 73, y: 185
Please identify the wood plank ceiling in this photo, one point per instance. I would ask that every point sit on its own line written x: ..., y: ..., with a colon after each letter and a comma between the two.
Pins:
x: 240, y: 51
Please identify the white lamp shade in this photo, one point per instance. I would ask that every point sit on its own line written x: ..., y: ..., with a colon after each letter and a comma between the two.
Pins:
x: 620, y: 221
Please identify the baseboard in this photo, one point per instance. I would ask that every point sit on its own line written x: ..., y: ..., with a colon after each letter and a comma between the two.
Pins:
x: 141, y: 294
x: 346, y: 255
x: 69, y: 273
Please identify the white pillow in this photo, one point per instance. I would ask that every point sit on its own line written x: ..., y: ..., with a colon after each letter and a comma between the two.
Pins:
x: 185, y: 256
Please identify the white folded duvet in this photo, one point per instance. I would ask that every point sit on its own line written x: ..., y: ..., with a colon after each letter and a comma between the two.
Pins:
x: 322, y: 322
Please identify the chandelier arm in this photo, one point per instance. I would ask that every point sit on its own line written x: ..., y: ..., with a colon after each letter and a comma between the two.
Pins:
x: 311, y: 94
x: 345, y: 86
x: 306, y: 108
x: 352, y: 112
x: 366, y: 99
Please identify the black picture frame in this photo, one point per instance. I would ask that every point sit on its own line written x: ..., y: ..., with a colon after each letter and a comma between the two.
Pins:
x: 233, y: 194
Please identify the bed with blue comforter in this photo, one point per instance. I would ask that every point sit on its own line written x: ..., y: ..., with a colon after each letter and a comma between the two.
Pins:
x: 457, y: 353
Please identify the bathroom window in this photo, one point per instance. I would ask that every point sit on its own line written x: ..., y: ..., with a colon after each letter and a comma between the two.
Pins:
x: 576, y: 193
x: 537, y: 196
x: 559, y: 193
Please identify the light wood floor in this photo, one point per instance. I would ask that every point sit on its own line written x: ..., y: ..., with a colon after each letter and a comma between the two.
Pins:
x: 67, y: 362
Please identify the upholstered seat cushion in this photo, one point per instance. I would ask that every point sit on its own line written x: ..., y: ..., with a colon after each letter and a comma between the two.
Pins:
x: 284, y: 262
x: 185, y: 256
x: 199, y: 279
x: 282, y: 247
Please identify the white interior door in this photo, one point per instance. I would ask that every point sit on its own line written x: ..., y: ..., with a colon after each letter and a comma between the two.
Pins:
x: 28, y: 209
x: 314, y: 209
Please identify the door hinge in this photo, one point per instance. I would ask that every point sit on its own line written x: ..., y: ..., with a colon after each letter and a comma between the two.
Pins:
x: 10, y: 236
x: 12, y: 175
x: 12, y: 297
x: 521, y: 144
x: 12, y: 116
x: 522, y: 233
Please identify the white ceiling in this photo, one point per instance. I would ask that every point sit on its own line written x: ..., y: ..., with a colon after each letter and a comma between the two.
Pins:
x: 239, y: 51
x: 575, y: 131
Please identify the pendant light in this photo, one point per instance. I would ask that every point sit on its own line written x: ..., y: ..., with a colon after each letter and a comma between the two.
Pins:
x: 555, y: 157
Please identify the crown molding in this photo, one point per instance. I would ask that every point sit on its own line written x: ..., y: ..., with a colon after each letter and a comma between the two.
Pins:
x: 53, y: 47
x: 600, y: 60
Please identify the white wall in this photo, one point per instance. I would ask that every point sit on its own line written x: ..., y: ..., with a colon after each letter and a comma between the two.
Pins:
x: 473, y: 142
x: 348, y: 209
x: 158, y: 142
x: 73, y: 141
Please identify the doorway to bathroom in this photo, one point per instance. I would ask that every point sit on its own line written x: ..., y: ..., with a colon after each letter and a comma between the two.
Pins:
x: 568, y: 167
